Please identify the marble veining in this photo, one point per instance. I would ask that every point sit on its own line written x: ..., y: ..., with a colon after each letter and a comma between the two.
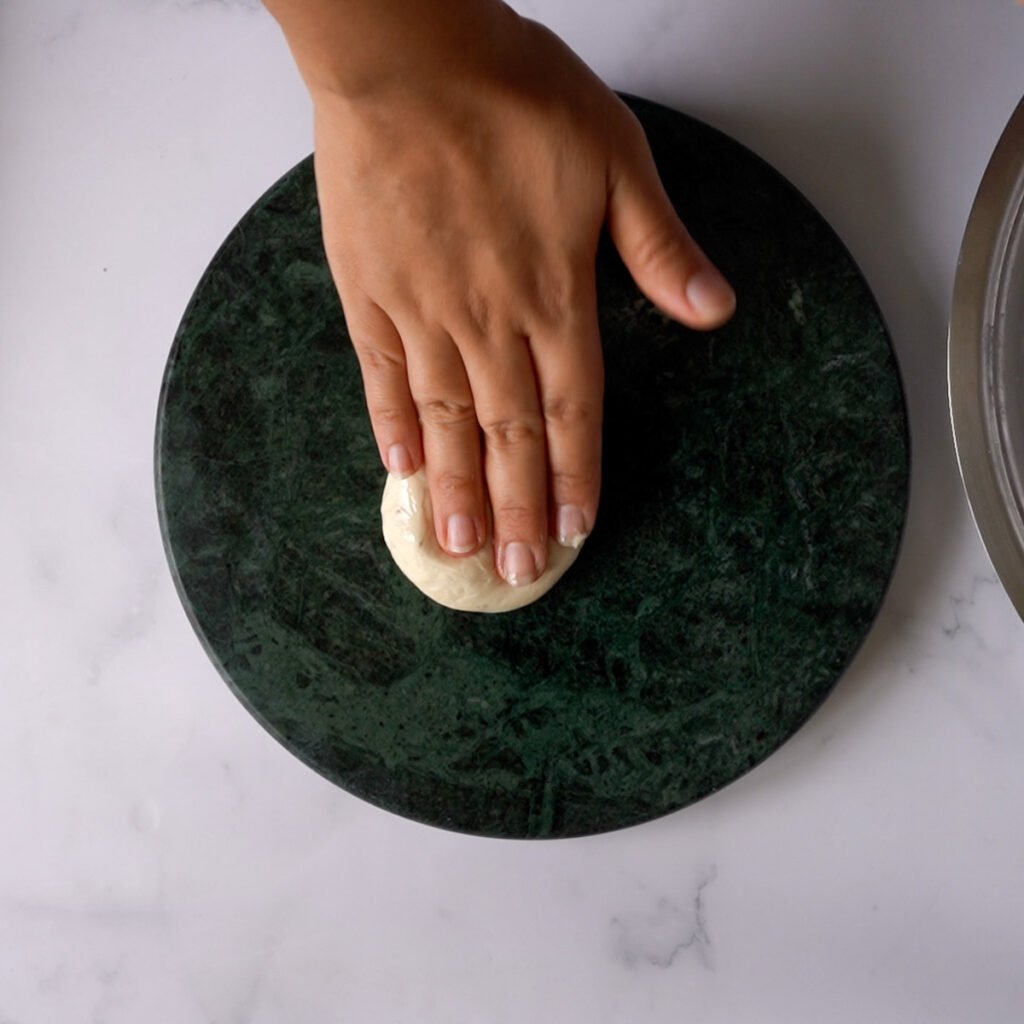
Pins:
x: 663, y: 933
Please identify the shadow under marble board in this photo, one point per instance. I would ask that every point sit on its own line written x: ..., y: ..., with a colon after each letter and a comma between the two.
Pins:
x: 754, y: 494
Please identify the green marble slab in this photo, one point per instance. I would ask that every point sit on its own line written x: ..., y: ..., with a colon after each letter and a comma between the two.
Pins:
x: 754, y: 496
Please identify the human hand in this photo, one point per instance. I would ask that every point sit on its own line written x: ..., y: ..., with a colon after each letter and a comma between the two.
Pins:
x: 462, y: 204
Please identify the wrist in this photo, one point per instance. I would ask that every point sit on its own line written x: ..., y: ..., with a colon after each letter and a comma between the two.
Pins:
x: 351, y: 49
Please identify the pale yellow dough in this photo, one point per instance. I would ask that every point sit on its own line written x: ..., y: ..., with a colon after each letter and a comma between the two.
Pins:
x: 468, y: 584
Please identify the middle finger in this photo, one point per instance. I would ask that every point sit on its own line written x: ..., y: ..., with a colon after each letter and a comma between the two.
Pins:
x: 504, y: 385
x: 451, y: 437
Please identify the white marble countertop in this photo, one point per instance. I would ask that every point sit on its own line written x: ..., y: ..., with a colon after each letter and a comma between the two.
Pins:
x: 164, y: 860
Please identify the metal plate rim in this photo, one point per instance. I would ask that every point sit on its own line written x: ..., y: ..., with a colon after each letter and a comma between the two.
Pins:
x: 976, y: 329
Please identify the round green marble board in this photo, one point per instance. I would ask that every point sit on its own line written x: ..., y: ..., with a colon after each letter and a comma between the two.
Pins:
x: 754, y: 494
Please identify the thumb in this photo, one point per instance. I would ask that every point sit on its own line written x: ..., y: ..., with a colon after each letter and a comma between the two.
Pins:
x: 666, y: 263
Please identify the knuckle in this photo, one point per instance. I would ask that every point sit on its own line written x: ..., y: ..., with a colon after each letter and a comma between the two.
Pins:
x: 562, y: 411
x: 515, y: 520
x: 388, y: 416
x: 557, y: 296
x: 511, y: 433
x: 573, y: 482
x: 445, y: 412
x: 380, y: 361
x: 661, y: 246
x: 478, y: 313
x: 451, y: 483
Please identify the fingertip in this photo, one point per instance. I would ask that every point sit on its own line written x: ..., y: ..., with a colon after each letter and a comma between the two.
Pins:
x: 461, y: 535
x: 571, y: 528
x: 520, y: 563
x: 711, y: 297
x: 399, y: 461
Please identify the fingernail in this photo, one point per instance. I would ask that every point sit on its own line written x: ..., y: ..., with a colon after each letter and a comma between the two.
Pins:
x: 519, y: 567
x: 710, y: 294
x: 399, y: 460
x: 461, y: 535
x: 572, y: 528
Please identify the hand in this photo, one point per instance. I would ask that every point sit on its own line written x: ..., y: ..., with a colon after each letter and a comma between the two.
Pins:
x: 462, y: 206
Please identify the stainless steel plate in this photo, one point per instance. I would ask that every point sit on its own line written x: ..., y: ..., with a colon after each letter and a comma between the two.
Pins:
x: 986, y: 359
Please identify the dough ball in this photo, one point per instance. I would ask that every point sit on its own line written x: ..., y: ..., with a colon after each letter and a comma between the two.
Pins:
x: 469, y: 584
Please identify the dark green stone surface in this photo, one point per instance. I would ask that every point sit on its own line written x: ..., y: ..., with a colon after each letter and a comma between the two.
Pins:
x: 754, y: 496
